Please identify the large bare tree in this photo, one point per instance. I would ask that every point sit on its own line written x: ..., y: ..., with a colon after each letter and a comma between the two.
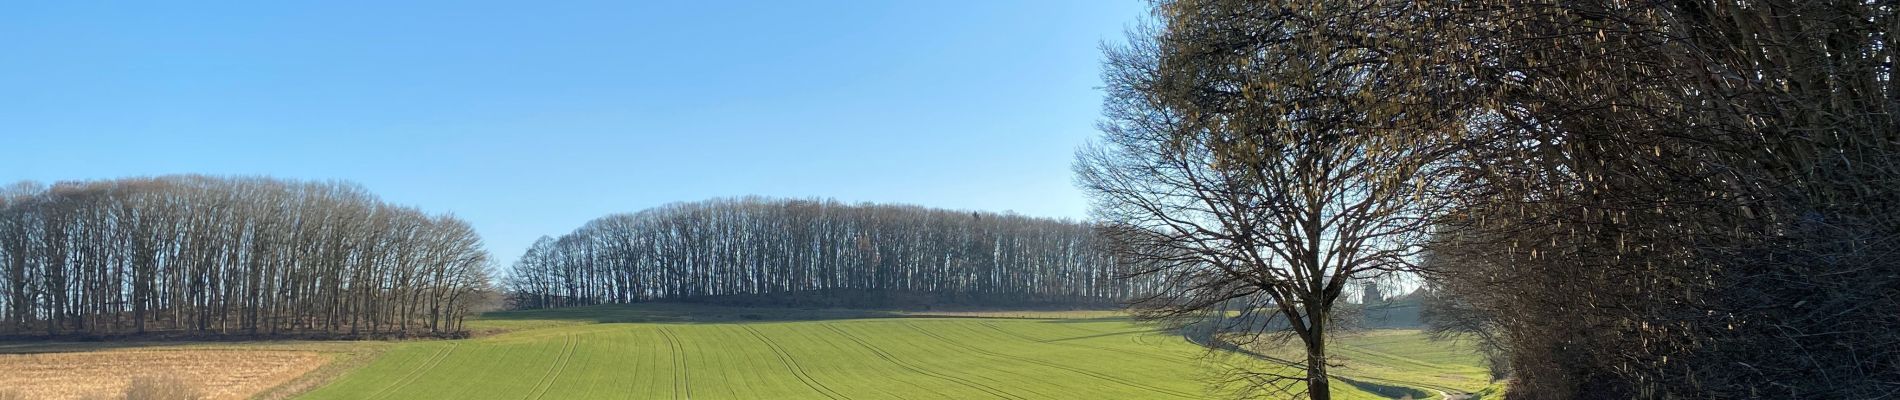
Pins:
x: 1258, y: 157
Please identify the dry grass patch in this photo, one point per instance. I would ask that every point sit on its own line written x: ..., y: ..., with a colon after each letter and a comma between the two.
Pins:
x: 1022, y: 314
x: 212, y: 374
x: 161, y: 388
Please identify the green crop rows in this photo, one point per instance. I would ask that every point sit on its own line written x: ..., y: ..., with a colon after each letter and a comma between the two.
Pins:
x: 663, y: 352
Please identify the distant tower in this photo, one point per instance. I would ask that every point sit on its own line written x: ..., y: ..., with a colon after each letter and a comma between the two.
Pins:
x: 1371, y: 294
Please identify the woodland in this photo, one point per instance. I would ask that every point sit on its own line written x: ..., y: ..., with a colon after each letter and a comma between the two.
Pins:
x: 215, y: 256
x: 761, y: 251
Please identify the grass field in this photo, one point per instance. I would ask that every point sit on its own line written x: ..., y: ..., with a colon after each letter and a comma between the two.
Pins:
x: 1405, y: 357
x: 680, y: 352
x: 672, y: 351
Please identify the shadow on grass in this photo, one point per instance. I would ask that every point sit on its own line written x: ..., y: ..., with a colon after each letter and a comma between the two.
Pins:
x: 502, y: 322
x: 1101, y: 335
x: 692, y: 313
x: 18, y: 344
x: 52, y: 346
x: 680, y: 313
x: 1092, y: 320
x: 1392, y: 391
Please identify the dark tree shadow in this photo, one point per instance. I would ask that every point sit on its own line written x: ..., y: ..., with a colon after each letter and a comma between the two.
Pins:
x: 1392, y: 391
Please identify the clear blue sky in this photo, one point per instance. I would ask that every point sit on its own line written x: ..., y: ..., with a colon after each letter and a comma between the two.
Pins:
x: 530, y: 118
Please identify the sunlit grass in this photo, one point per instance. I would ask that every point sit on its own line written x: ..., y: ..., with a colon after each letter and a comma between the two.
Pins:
x: 677, y: 351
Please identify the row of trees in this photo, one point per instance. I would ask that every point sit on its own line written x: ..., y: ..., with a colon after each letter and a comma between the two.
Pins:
x: 1683, y: 199
x: 210, y: 255
x: 817, y: 252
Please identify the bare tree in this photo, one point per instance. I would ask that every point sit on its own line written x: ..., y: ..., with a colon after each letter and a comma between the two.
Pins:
x: 1259, y: 156
x: 770, y: 251
x: 212, y: 255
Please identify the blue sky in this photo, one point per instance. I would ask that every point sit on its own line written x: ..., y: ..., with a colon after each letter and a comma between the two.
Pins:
x: 529, y: 119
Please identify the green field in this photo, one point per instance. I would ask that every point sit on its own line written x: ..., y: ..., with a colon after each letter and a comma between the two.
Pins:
x: 680, y: 352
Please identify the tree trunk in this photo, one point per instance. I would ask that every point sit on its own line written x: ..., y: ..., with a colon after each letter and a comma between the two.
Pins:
x: 1318, y: 386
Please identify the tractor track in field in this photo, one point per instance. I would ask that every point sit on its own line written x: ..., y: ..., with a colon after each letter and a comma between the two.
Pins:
x: 682, y: 380
x: 541, y: 388
x: 920, y: 388
x: 1097, y: 375
x: 633, y: 384
x: 919, y: 369
x: 413, y: 375
x: 798, y: 371
x: 1112, y: 350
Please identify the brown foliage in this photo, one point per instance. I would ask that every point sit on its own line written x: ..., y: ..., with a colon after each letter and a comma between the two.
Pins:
x: 1647, y: 199
x: 1679, y: 199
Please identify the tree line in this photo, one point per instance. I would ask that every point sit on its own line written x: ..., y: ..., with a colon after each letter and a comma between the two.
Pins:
x: 204, y: 255
x: 817, y: 252
x: 1683, y: 199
